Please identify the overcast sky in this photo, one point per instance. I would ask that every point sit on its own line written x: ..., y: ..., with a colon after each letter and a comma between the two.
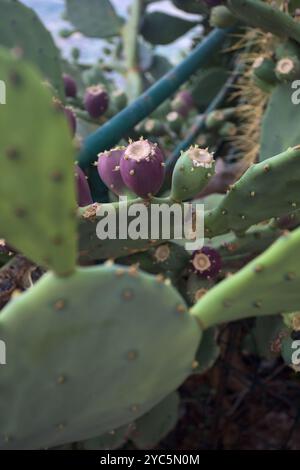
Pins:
x: 50, y: 12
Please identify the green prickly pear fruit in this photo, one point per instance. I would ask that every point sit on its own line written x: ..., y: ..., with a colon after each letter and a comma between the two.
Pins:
x: 221, y: 17
x: 119, y: 99
x: 264, y: 69
x: 154, y: 127
x: 216, y: 118
x: 175, y: 121
x: 192, y: 172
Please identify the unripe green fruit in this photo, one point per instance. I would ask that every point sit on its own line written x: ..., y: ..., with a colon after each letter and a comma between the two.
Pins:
x: 221, y: 17
x: 216, y: 118
x: 264, y: 69
x: 192, y: 172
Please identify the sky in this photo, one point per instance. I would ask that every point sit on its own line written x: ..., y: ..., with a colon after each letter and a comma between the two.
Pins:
x: 50, y: 11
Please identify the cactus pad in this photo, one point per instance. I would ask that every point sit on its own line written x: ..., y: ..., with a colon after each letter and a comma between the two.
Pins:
x: 267, y: 286
x: 21, y: 28
x: 82, y: 351
x: 246, y: 203
x: 280, y: 128
x: 37, y: 195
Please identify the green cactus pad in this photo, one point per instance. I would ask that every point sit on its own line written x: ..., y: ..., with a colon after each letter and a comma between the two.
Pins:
x: 109, y: 441
x: 246, y: 203
x: 21, y: 28
x: 145, y: 432
x: 151, y: 428
x: 257, y: 239
x: 280, y: 128
x: 206, y: 84
x: 154, y: 28
x: 93, y: 248
x: 267, y: 17
x: 88, y: 354
x: 37, y: 195
x: 268, y: 285
x: 208, y: 352
x: 262, y: 339
x: 94, y: 18
x: 168, y: 259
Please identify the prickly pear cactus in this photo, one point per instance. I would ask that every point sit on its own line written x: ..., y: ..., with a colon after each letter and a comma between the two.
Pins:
x: 102, y: 327
x: 39, y: 218
x: 56, y: 321
x: 22, y: 30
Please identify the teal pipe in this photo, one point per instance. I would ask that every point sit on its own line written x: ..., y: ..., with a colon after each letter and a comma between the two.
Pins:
x: 122, y: 123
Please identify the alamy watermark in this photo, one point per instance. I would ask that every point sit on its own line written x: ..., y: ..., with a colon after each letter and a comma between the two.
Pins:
x: 296, y: 94
x: 158, y: 221
x: 296, y: 354
x: 2, y: 353
x: 2, y: 92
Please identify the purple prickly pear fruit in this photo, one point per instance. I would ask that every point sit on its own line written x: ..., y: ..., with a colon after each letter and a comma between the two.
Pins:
x: 70, y: 115
x: 84, y: 197
x: 206, y: 262
x: 142, y: 168
x: 109, y: 170
x: 70, y: 86
x: 68, y: 112
x: 96, y: 101
x: 183, y: 103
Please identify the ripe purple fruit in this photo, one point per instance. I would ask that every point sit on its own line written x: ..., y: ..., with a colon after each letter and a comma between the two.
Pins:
x: 70, y: 115
x: 142, y: 168
x: 96, y: 101
x: 109, y: 170
x: 70, y: 86
x: 183, y: 103
x: 206, y: 262
x: 68, y: 112
x: 84, y: 197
